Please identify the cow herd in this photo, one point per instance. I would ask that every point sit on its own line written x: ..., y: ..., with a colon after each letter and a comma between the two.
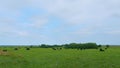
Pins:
x: 5, y: 50
x: 58, y: 48
x: 100, y: 49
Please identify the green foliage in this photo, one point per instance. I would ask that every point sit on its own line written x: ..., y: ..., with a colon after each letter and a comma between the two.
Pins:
x: 45, y: 46
x: 107, y: 46
x: 69, y: 46
x: 99, y: 45
x: 80, y: 45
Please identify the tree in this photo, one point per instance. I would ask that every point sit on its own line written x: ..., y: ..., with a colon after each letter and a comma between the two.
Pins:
x: 81, y: 46
x: 90, y: 46
x: 107, y: 46
x: 99, y: 45
x: 43, y: 45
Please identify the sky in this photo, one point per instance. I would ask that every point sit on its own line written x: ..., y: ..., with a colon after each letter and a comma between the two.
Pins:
x: 34, y: 22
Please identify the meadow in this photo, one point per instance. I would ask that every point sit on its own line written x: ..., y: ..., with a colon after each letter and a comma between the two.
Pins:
x: 65, y: 58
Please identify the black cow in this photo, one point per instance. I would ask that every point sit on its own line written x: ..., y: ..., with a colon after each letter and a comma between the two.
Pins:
x: 60, y: 48
x: 106, y: 48
x: 5, y: 50
x: 54, y: 48
x: 101, y: 50
x: 15, y: 48
x: 27, y: 48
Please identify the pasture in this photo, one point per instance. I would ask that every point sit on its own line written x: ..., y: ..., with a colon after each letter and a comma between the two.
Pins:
x: 65, y: 58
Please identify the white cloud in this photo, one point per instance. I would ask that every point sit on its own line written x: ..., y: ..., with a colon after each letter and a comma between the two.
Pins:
x: 83, y: 13
x: 113, y: 32
x: 8, y: 27
x: 72, y: 11
x: 78, y: 11
x: 38, y: 21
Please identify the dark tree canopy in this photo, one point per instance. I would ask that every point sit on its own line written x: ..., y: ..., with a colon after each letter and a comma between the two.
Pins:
x: 73, y: 46
x: 81, y: 45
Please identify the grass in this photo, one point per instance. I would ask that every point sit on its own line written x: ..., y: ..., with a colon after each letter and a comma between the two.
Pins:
x: 66, y: 58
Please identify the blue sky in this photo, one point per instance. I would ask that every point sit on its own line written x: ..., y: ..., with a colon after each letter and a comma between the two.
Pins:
x: 59, y: 21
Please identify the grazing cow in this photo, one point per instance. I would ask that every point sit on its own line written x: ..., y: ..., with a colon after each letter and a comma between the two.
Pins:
x: 53, y: 48
x: 102, y: 50
x: 106, y: 48
x: 81, y: 48
x: 16, y: 49
x: 27, y: 48
x: 60, y: 48
x: 5, y: 50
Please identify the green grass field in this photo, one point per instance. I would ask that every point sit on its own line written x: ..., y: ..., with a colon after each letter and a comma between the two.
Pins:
x: 65, y: 58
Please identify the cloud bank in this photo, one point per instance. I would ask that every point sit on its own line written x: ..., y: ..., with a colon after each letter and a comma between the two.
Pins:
x: 59, y: 21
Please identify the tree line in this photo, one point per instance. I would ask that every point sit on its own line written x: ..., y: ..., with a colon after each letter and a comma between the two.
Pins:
x: 71, y: 46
